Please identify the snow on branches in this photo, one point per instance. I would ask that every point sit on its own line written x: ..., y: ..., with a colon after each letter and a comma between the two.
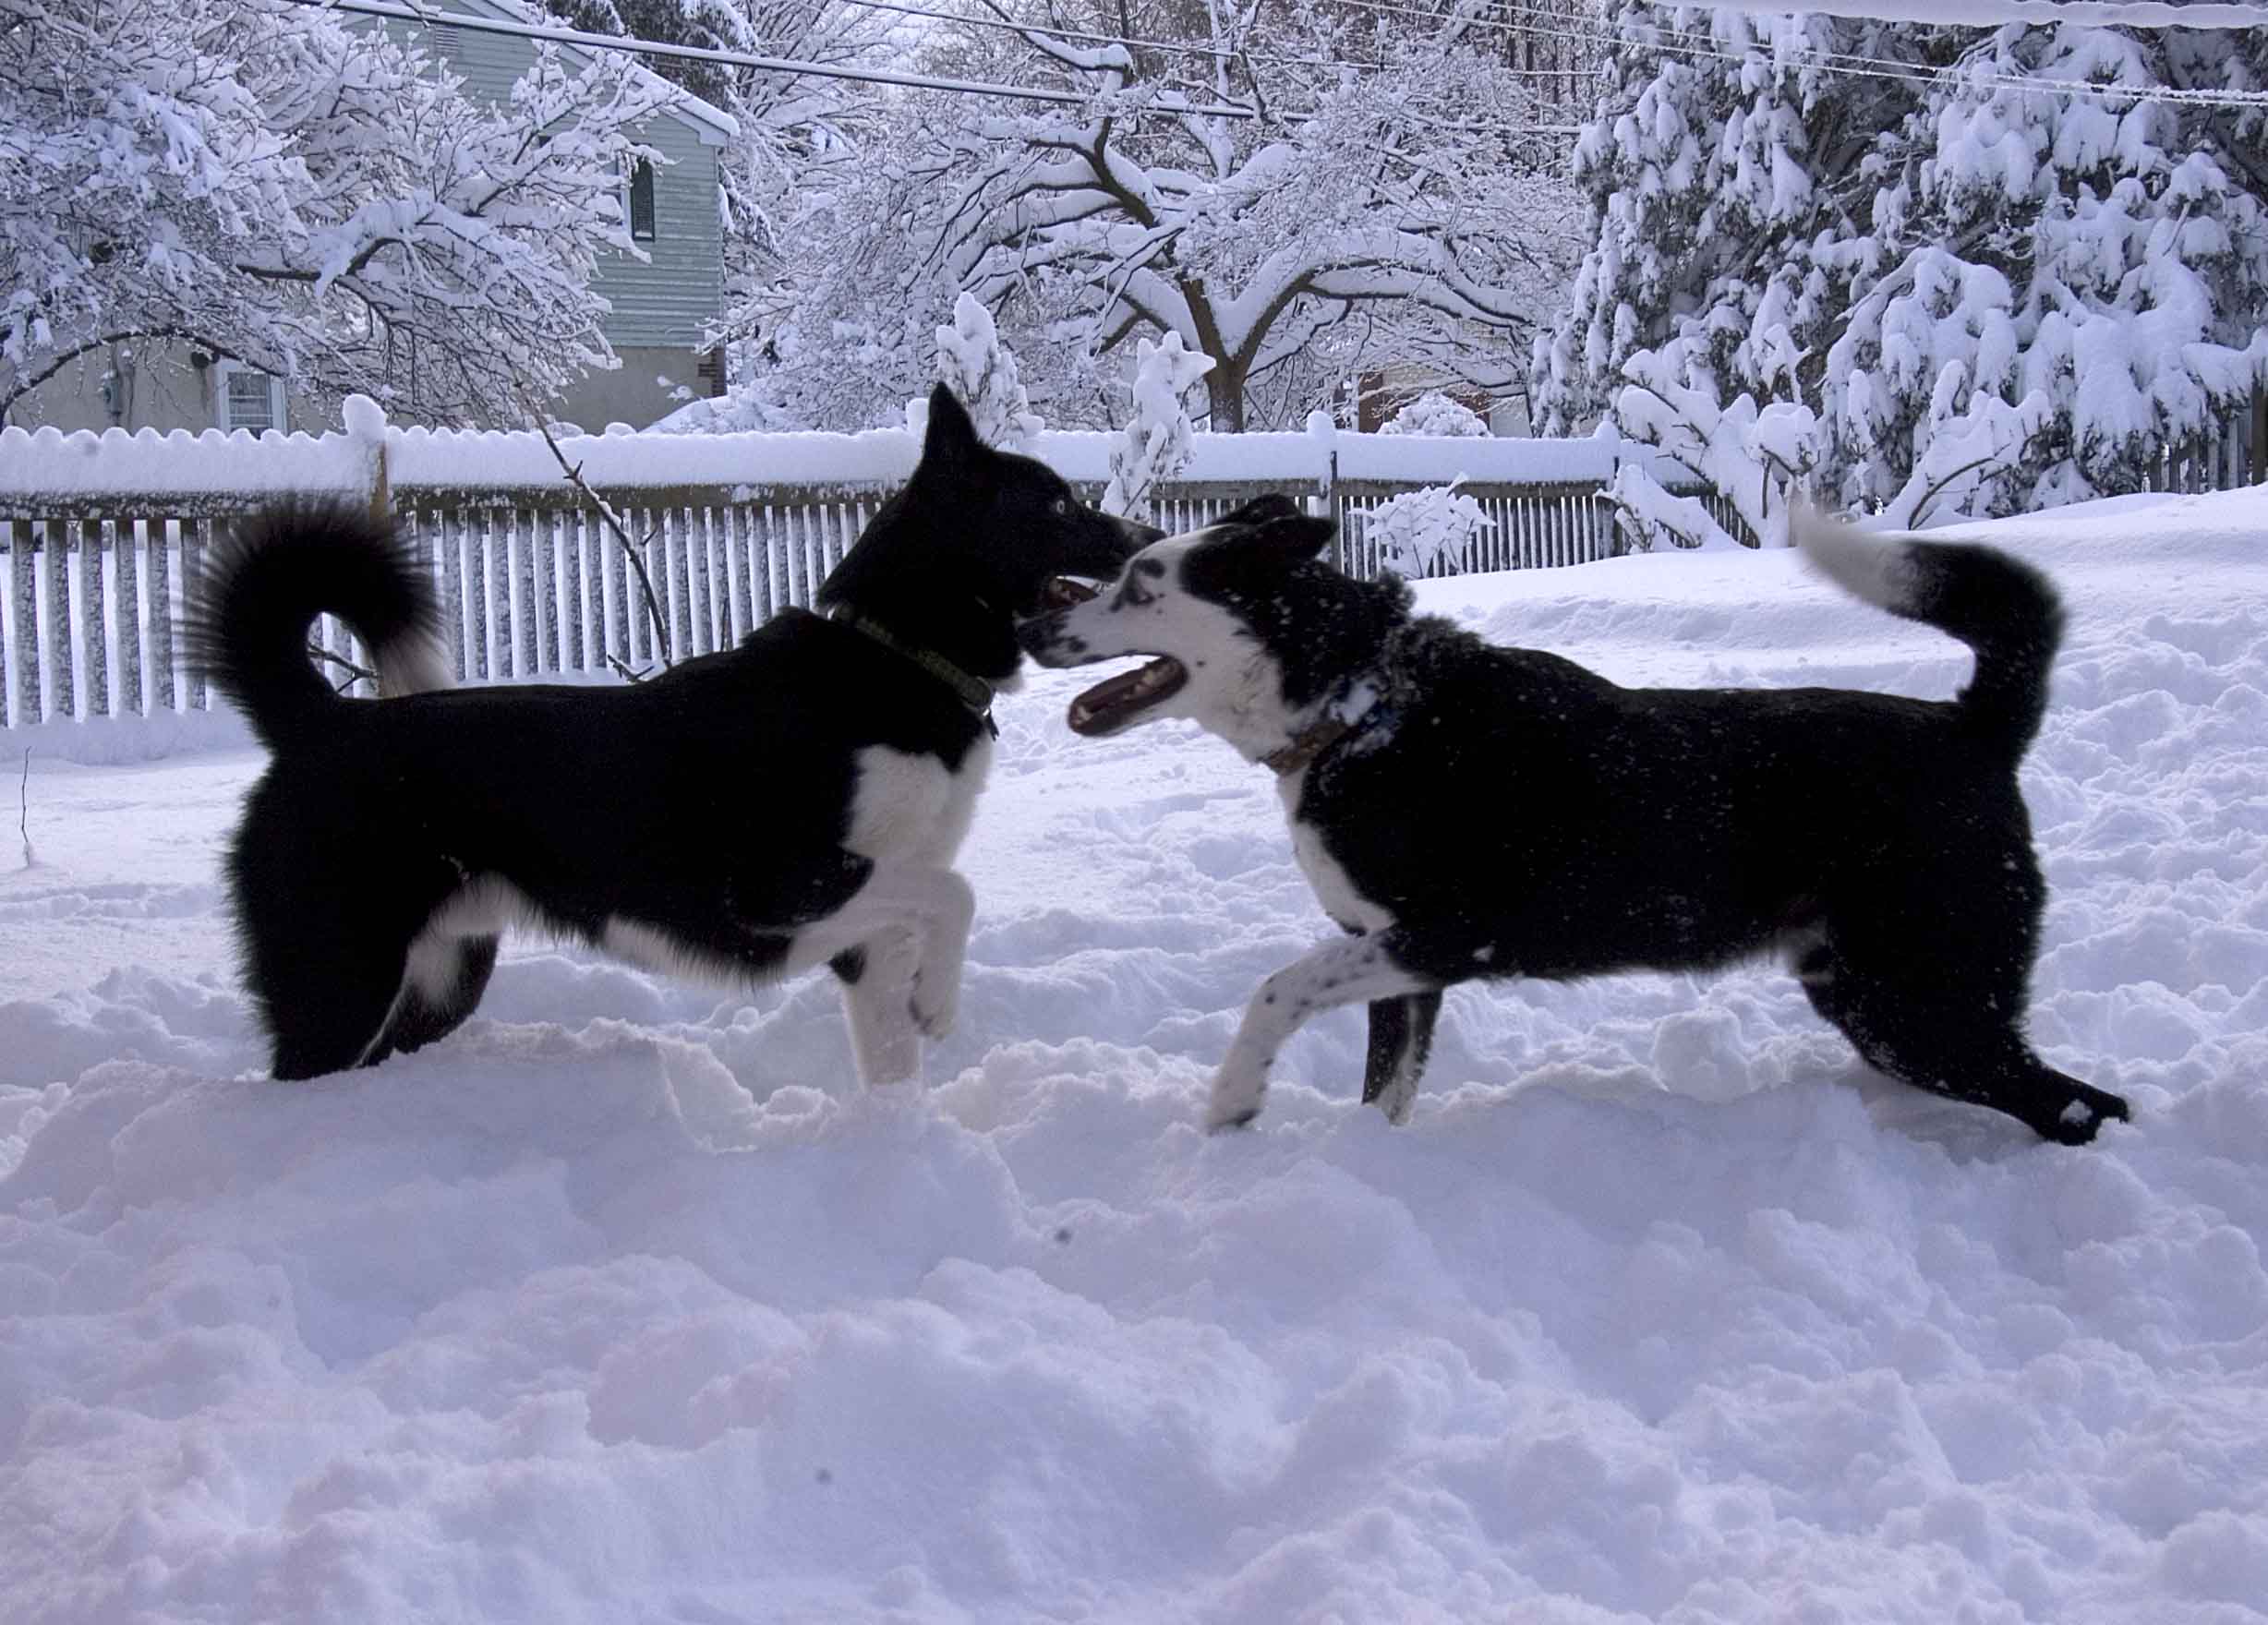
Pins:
x: 1411, y: 211
x: 1435, y: 413
x: 289, y: 188
x: 1426, y: 532
x: 1962, y: 293
x: 974, y: 364
x: 1155, y: 442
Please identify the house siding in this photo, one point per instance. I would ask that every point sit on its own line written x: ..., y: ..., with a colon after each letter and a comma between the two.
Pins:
x: 670, y: 298
x: 661, y: 304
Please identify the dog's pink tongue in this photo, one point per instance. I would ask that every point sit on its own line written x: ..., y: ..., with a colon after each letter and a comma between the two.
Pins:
x: 1109, y: 706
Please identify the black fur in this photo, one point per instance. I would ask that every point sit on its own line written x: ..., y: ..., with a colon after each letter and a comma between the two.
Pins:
x: 710, y: 804
x: 1515, y: 814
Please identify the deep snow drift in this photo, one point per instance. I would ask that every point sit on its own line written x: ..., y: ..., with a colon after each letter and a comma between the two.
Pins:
x: 626, y: 1305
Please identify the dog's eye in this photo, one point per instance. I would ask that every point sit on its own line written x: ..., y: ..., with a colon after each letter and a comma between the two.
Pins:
x: 1131, y: 594
x: 1061, y: 506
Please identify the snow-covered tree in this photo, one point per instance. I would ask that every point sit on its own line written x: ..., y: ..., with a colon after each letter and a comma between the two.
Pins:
x: 2001, y: 278
x: 1155, y: 442
x: 1404, y: 206
x: 974, y: 364
x: 1435, y: 413
x: 283, y: 186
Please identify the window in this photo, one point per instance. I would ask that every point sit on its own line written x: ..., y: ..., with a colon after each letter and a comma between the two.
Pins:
x: 247, y: 398
x: 642, y: 202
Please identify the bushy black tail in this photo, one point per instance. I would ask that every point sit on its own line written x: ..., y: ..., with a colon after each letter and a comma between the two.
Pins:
x: 262, y: 588
x: 2001, y: 606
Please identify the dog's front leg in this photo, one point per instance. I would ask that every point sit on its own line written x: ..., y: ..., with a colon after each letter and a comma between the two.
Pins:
x: 934, y: 907
x: 1401, y: 1038
x: 1354, y: 971
x: 877, y: 979
x: 945, y: 955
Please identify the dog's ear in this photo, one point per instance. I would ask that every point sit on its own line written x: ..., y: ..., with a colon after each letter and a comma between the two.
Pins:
x: 951, y: 437
x: 1294, y: 539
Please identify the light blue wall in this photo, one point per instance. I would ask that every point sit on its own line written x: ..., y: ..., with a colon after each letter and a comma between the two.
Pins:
x: 667, y: 299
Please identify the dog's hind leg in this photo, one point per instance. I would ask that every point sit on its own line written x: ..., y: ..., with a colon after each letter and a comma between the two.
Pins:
x: 328, y: 1008
x: 443, y: 982
x: 1356, y: 971
x: 1926, y: 1026
x: 1401, y: 1038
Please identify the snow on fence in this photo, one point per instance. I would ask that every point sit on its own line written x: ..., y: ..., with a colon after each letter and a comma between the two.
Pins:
x: 102, y: 535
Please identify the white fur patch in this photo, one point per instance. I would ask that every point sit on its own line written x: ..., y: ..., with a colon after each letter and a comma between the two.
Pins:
x: 1235, y: 689
x: 416, y: 664
x: 484, y: 907
x: 653, y: 948
x: 909, y: 808
x: 1876, y: 567
x: 1347, y: 907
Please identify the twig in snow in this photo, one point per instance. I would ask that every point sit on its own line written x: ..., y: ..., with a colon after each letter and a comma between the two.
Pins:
x: 23, y: 808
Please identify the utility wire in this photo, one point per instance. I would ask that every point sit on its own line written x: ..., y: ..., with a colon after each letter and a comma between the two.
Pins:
x: 589, y: 41
x: 1846, y: 63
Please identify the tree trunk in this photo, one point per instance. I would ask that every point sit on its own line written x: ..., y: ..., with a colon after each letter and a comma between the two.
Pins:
x: 1225, y: 392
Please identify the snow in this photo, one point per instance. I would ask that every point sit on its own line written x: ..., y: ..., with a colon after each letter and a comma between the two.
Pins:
x: 49, y: 463
x: 627, y: 1303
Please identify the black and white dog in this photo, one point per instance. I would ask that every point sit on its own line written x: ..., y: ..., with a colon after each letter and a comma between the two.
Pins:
x: 794, y: 801
x: 1572, y: 827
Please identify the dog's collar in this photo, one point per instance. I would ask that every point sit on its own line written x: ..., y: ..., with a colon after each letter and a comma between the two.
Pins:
x: 1359, y: 708
x: 974, y: 691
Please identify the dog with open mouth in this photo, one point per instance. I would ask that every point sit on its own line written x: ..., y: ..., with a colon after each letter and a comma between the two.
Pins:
x: 1574, y: 827
x: 793, y: 801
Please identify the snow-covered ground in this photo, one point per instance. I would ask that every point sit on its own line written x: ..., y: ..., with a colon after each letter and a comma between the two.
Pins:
x: 626, y: 1304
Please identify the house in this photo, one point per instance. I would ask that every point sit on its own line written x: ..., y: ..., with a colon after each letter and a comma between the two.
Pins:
x: 661, y: 306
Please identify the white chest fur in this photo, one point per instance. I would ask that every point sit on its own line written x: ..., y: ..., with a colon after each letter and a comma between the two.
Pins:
x: 913, y: 808
x: 1348, y: 907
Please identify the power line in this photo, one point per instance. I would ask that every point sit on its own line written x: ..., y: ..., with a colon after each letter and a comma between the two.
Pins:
x: 1186, y: 48
x: 872, y: 76
x: 1847, y: 63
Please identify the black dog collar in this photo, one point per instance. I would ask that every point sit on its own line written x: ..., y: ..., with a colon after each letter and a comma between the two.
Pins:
x: 971, y: 690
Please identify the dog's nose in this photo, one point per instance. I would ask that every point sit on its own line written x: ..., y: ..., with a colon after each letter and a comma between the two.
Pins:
x: 1038, y: 635
x: 1139, y: 536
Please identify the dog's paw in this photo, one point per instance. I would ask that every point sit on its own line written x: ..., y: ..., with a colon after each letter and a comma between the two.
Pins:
x: 1233, y: 1103
x: 935, y: 1017
x: 2086, y: 1112
x: 1397, y: 1098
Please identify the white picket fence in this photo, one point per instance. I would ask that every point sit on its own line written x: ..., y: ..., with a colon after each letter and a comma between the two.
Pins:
x: 102, y: 535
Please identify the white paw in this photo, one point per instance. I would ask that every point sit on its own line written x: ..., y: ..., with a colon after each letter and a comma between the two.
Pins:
x: 935, y: 1017
x: 1235, y: 1101
x: 1397, y: 1097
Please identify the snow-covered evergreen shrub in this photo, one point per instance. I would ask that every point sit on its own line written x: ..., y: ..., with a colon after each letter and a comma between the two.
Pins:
x: 977, y: 367
x: 1435, y: 413
x: 1420, y: 531
x: 1155, y: 443
x: 1964, y: 293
